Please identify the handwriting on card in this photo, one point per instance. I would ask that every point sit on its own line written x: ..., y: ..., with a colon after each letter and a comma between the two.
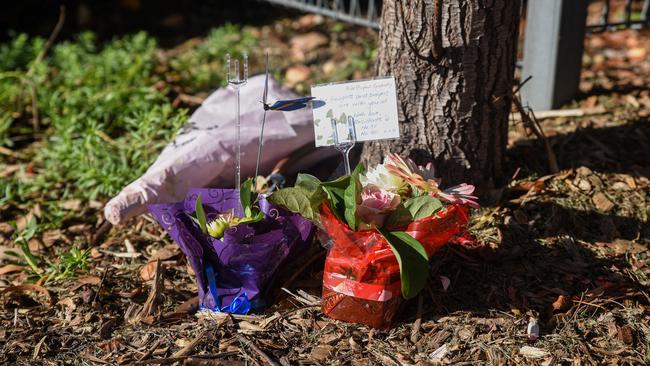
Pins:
x: 371, y: 103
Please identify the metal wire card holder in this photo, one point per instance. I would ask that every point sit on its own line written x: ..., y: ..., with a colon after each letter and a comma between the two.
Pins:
x: 236, y: 82
x: 347, y: 143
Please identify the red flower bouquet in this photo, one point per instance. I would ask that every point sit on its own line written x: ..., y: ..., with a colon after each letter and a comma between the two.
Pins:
x: 381, y: 228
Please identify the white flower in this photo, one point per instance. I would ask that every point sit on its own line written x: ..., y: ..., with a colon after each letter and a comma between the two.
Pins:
x: 380, y: 177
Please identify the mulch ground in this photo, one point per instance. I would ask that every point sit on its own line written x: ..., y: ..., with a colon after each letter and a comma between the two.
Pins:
x: 567, y: 251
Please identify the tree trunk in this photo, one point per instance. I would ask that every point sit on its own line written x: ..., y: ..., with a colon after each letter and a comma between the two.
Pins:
x: 454, y: 77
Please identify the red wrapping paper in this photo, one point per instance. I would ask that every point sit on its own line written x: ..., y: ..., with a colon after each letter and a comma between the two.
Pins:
x: 361, y: 279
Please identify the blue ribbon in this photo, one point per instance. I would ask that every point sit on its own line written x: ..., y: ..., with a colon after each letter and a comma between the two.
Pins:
x: 240, y: 305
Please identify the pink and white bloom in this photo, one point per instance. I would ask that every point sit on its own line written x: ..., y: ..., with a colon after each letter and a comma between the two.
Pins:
x: 376, y: 204
x: 424, y: 178
x: 380, y: 177
x: 461, y: 194
x: 418, y: 177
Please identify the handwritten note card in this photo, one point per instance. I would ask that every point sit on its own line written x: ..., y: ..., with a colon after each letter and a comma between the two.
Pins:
x: 372, y: 104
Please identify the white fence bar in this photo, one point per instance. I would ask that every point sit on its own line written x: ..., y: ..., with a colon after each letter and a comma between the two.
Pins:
x: 554, y: 38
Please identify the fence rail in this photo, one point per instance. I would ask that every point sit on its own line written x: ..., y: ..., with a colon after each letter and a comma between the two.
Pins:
x: 364, y: 13
x: 634, y: 14
x: 553, y: 40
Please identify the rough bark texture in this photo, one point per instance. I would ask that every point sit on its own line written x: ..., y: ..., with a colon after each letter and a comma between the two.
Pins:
x: 454, y: 79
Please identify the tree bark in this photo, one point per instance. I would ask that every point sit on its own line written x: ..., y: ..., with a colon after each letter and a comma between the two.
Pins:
x: 454, y: 76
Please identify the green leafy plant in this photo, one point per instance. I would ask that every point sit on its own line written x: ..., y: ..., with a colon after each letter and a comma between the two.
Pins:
x: 103, y: 109
x: 385, y: 199
x: 224, y: 221
x: 201, y: 67
x: 103, y: 121
x: 343, y: 196
x: 68, y: 265
x: 22, y: 239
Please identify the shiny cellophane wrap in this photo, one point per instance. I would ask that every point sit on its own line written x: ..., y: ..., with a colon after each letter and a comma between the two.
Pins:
x: 361, y: 279
x: 245, y: 258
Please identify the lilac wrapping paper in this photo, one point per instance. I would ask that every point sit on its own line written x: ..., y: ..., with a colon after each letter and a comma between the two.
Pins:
x: 203, y: 152
x: 246, y: 257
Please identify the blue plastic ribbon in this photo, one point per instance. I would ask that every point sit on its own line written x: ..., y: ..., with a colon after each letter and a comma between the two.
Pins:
x: 240, y: 305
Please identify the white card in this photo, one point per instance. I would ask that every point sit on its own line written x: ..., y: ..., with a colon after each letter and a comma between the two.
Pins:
x: 372, y: 104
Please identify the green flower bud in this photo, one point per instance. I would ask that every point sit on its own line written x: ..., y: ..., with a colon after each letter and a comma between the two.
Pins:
x: 217, y: 227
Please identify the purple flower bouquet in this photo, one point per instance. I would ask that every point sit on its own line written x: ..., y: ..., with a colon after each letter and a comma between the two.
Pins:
x: 233, y: 267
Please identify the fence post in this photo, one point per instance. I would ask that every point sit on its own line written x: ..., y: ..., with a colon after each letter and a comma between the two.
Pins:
x: 553, y: 45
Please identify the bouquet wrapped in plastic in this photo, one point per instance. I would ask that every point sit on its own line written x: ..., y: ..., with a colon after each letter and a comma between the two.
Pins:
x: 233, y: 253
x: 381, y: 228
x: 361, y: 279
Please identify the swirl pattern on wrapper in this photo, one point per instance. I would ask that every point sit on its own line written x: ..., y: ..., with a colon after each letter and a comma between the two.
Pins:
x: 248, y: 255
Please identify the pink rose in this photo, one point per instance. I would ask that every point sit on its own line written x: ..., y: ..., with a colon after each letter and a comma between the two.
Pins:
x: 376, y: 204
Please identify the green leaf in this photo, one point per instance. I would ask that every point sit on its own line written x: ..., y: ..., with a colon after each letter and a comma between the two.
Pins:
x: 399, y: 217
x: 312, y: 185
x: 308, y: 182
x: 336, y: 197
x: 340, y: 182
x: 196, y: 221
x: 200, y: 215
x: 23, y: 241
x: 30, y: 230
x: 246, y: 197
x: 413, y: 261
x: 295, y: 199
x: 351, y: 197
x: 423, y: 206
x: 335, y: 191
x: 253, y: 219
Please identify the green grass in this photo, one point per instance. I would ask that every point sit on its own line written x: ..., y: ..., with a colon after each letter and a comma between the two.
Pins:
x: 67, y: 264
x: 102, y: 121
x: 203, y: 67
x: 106, y: 120
x: 104, y: 108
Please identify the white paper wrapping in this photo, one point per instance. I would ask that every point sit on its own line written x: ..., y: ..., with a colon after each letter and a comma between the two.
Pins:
x: 203, y: 152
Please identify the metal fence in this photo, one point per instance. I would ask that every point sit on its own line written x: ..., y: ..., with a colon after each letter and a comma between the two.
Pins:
x: 617, y: 15
x: 553, y: 38
x: 554, y: 42
x: 364, y: 13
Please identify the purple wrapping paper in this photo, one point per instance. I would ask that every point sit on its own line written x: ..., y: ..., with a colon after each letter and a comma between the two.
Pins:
x: 246, y: 257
